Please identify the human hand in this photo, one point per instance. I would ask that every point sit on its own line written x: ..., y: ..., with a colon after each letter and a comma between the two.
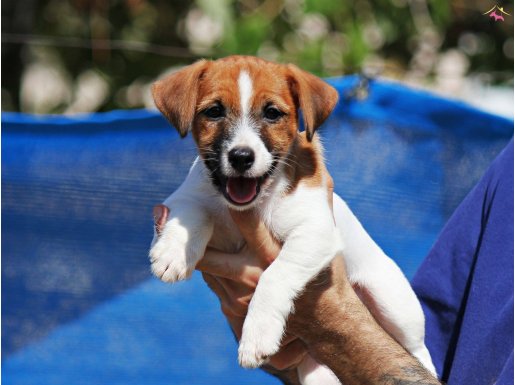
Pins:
x: 330, y: 320
x: 234, y: 277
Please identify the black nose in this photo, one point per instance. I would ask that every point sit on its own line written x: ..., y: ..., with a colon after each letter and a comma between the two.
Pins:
x: 241, y: 158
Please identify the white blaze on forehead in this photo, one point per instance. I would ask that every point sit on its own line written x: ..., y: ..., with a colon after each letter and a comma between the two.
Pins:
x: 245, y: 88
x: 246, y: 134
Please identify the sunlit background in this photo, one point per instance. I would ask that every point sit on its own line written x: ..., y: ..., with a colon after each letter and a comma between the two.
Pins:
x: 69, y: 56
x: 79, y: 304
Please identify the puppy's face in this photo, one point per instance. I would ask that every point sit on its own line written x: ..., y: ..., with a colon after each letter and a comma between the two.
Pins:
x: 242, y: 112
x: 244, y: 125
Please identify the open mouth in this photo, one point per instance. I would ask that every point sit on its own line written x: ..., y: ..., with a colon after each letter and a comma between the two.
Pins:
x: 241, y: 191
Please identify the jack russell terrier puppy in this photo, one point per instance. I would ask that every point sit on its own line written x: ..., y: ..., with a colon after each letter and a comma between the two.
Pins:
x: 243, y: 114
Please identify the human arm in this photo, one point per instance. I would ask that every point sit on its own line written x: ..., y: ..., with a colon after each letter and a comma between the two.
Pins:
x: 330, y: 319
x: 340, y: 332
x: 235, y: 282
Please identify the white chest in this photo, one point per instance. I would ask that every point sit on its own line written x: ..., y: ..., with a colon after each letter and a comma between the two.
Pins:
x: 281, y: 213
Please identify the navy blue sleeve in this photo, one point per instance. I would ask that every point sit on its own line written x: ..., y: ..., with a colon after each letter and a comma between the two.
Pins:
x: 466, y: 284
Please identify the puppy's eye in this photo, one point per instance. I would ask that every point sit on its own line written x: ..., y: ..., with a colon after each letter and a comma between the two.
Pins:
x: 215, y: 112
x: 272, y: 113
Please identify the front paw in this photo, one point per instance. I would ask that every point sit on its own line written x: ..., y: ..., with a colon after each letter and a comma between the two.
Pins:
x: 260, y: 340
x: 170, y: 261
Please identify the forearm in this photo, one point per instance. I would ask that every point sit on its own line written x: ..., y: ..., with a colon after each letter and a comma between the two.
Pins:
x: 359, y: 351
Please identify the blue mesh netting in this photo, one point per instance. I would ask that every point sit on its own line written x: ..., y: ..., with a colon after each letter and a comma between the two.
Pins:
x: 78, y: 303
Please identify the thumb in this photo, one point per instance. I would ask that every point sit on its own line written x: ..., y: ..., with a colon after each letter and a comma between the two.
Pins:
x: 257, y: 235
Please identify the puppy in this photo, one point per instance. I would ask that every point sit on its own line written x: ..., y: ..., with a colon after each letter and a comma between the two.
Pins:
x: 243, y: 114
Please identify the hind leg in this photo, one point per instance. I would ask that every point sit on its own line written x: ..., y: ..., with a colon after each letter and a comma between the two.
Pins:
x: 390, y: 299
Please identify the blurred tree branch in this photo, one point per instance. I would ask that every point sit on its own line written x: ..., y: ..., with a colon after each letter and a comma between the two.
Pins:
x: 114, y: 50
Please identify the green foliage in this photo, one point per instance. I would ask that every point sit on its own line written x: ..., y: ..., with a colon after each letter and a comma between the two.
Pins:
x: 129, y: 43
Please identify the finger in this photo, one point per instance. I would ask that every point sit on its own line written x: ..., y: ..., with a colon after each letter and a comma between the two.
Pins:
x: 221, y: 264
x: 238, y: 286
x: 237, y: 298
x: 241, y: 269
x: 160, y: 213
x: 287, y: 339
x: 248, y: 223
x: 236, y: 325
x: 232, y: 304
x: 289, y: 356
x: 215, y: 285
x: 215, y: 262
x: 256, y: 235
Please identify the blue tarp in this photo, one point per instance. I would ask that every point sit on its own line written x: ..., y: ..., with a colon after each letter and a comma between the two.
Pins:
x: 78, y: 303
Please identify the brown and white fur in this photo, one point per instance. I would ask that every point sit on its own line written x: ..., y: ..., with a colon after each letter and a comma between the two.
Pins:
x: 245, y: 102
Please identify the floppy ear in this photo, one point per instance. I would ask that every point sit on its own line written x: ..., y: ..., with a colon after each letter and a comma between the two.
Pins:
x: 176, y: 95
x: 313, y: 96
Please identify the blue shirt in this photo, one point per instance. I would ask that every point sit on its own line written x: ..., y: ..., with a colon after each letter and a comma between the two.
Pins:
x: 466, y: 284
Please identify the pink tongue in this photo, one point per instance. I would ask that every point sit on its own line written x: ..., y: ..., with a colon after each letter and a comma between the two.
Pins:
x: 242, y: 190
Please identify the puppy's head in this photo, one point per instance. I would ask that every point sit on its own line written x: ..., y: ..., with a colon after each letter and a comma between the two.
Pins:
x: 243, y: 114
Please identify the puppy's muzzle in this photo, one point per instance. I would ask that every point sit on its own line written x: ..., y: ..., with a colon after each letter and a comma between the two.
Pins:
x: 241, y: 190
x: 241, y: 158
